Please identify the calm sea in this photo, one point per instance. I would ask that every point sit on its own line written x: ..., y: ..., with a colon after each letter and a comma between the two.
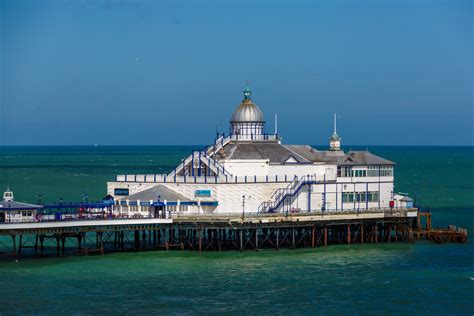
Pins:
x: 359, y: 279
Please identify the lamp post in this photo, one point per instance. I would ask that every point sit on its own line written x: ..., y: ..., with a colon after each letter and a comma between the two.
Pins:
x: 243, y: 207
x: 158, y: 202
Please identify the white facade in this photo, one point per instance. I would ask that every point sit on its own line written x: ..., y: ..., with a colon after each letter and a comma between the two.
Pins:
x: 259, y: 174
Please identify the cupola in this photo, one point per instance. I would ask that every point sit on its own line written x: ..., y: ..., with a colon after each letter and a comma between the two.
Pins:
x: 247, y: 121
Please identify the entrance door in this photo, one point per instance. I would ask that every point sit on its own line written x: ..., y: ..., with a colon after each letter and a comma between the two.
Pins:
x: 160, y: 211
x: 2, y: 217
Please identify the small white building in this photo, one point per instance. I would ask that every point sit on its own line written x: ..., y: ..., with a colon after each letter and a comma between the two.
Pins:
x: 12, y: 211
x: 253, y: 171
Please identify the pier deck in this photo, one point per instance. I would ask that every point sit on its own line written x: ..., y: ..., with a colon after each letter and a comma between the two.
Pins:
x: 216, y: 232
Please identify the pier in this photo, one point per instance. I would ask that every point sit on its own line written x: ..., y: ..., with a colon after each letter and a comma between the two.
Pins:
x: 246, y: 232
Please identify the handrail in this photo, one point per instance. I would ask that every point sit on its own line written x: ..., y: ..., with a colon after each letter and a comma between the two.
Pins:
x: 281, y: 194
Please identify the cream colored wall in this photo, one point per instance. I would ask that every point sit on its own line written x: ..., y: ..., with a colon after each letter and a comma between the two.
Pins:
x: 257, y: 167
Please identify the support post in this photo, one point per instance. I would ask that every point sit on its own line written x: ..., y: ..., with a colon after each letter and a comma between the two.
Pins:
x: 14, y: 247
x: 293, y: 242
x: 200, y: 238
x: 325, y: 236
x: 241, y: 240
x: 277, y: 239
x: 256, y: 238
x: 348, y: 234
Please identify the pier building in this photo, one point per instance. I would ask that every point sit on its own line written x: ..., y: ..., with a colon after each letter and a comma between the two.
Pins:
x: 246, y: 191
x: 251, y: 170
x: 12, y: 211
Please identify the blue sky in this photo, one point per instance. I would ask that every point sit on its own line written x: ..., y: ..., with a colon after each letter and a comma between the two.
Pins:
x: 166, y: 72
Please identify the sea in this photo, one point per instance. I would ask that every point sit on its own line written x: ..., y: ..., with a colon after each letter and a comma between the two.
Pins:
x: 370, y: 279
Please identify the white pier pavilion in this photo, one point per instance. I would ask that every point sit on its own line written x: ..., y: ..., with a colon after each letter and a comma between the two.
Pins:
x: 252, y: 171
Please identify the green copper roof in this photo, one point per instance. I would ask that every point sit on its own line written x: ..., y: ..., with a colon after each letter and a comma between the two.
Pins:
x: 247, y: 92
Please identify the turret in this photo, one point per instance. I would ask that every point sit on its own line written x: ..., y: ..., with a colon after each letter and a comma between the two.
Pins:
x: 7, y: 195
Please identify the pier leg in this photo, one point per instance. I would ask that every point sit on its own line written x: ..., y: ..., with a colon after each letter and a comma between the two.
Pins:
x: 159, y: 236
x: 115, y: 240
x: 57, y: 246
x: 200, y: 238
x: 256, y: 239
x: 101, y: 243
x: 278, y: 239
x: 121, y: 241
x: 41, y: 238
x: 293, y: 241
x: 63, y: 241
x: 241, y: 240
x: 79, y: 241
x: 20, y: 245
x: 325, y: 236
x: 14, y: 247
x: 36, y: 244
x: 348, y: 234
x: 376, y: 233
x: 313, y: 237
x: 361, y: 233
x: 137, y: 240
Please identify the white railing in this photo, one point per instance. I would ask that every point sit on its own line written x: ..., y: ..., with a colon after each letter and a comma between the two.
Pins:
x: 166, y: 178
x: 281, y: 194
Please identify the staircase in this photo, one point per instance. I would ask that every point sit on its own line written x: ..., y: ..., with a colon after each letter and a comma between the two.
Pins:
x: 281, y: 194
x: 206, y: 152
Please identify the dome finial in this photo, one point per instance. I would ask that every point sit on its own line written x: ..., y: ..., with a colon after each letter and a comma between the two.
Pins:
x: 247, y: 92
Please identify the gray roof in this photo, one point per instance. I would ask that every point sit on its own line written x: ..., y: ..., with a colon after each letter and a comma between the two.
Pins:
x: 152, y: 194
x: 14, y: 205
x: 364, y: 158
x: 272, y: 151
x: 278, y: 153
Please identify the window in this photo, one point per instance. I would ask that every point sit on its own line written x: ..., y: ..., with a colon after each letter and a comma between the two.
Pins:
x: 386, y: 171
x: 359, y: 173
x: 373, y: 196
x: 345, y: 172
x: 373, y: 171
x: 361, y: 196
x: 23, y: 213
x: 348, y: 197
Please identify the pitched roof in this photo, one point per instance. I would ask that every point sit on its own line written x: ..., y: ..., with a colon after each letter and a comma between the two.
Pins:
x: 152, y: 193
x: 364, y: 158
x: 278, y: 153
x: 14, y: 205
x: 273, y: 151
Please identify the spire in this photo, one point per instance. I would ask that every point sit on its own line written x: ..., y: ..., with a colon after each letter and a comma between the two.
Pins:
x: 335, y: 140
x: 276, y: 123
x: 247, y: 92
x: 334, y: 134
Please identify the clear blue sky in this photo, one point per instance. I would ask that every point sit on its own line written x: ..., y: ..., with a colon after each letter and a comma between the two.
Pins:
x: 166, y: 72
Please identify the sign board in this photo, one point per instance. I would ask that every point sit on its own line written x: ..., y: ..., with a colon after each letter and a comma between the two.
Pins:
x: 119, y: 191
x: 202, y: 193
